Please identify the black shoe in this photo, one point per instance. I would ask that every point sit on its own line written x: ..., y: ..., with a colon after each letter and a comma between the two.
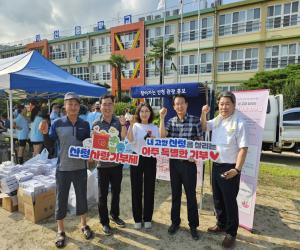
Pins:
x: 107, y: 230
x: 118, y: 221
x: 173, y: 229
x: 194, y: 233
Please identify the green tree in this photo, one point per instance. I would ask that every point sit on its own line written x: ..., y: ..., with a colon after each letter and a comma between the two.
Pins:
x: 281, y: 81
x: 118, y: 62
x: 156, y: 55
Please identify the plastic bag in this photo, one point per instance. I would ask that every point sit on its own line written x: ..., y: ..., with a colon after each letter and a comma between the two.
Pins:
x: 43, y: 156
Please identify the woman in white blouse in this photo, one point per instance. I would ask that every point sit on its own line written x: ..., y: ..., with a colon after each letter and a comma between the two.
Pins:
x: 142, y: 176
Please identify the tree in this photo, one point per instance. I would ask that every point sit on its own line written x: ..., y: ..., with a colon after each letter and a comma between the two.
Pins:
x: 281, y: 81
x: 156, y: 55
x: 118, y: 62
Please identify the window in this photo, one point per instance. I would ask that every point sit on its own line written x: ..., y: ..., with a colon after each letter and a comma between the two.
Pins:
x: 81, y: 72
x: 129, y: 69
x: 238, y: 60
x: 279, y: 56
x: 58, y: 51
x: 239, y: 22
x: 101, y: 45
x: 189, y: 64
x: 101, y: 72
x: 153, y: 34
x: 153, y: 69
x: 293, y: 116
x: 282, y: 15
x: 79, y: 48
x: 190, y: 29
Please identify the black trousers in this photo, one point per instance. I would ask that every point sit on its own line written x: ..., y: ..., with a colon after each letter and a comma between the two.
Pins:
x: 112, y: 176
x: 224, y: 195
x: 143, y: 176
x: 184, y: 173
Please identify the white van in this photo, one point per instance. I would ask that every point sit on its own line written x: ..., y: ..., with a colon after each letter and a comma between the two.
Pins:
x: 282, y: 128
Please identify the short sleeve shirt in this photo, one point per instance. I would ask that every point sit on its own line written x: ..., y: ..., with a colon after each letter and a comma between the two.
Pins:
x: 228, y: 139
x: 22, y: 127
x: 189, y: 128
x: 67, y: 134
x: 35, y: 134
x: 103, y: 125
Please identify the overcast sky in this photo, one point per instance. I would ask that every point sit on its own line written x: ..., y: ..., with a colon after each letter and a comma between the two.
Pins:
x: 23, y: 19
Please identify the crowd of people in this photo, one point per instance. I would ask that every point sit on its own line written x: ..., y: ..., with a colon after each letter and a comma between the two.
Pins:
x: 60, y: 131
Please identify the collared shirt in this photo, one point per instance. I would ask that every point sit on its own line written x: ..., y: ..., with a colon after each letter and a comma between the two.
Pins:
x: 22, y: 127
x: 53, y: 116
x: 68, y: 135
x: 189, y: 128
x: 103, y: 125
x: 229, y: 135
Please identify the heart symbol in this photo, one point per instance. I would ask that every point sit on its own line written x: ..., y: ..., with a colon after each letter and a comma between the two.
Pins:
x: 214, y: 156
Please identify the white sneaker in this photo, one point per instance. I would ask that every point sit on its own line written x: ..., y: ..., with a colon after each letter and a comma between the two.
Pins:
x: 138, y: 225
x: 148, y: 225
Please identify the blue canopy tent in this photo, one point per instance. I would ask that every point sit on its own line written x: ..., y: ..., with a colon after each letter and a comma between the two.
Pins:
x: 195, y: 92
x: 33, y: 74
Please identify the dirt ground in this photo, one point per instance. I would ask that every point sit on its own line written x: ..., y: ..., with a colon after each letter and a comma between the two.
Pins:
x: 276, y: 225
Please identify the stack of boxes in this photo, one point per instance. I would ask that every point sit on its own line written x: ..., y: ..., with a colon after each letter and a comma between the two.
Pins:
x: 35, y: 182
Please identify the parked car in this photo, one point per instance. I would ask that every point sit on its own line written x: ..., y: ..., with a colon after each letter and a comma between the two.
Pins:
x: 282, y: 128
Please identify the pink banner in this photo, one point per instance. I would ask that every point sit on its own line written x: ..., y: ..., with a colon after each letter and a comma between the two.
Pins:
x: 253, y: 105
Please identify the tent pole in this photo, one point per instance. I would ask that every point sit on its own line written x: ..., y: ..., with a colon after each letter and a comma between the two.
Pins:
x: 7, y: 107
x: 11, y: 127
x: 49, y: 106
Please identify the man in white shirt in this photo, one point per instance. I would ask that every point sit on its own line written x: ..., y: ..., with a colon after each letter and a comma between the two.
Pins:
x: 230, y: 136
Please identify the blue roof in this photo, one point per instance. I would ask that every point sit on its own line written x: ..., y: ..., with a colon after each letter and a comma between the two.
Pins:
x: 40, y: 75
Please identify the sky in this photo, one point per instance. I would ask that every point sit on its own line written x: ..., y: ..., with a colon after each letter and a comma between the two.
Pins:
x: 21, y: 20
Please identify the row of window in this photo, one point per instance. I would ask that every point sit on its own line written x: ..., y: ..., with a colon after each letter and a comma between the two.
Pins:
x: 277, y: 56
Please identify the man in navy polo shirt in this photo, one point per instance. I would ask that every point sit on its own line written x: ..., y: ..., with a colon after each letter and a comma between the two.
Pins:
x: 70, y: 130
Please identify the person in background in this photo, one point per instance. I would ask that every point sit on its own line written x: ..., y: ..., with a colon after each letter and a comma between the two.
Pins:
x: 70, y: 170
x: 62, y: 112
x: 110, y: 172
x: 182, y: 172
x: 94, y: 115
x: 5, y: 120
x: 48, y: 144
x: 83, y: 112
x: 35, y: 136
x: 142, y: 176
x: 230, y: 136
x: 2, y: 127
x: 55, y: 112
x: 22, y: 127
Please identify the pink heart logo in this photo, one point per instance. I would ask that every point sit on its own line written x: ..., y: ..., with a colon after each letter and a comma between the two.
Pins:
x: 214, y: 156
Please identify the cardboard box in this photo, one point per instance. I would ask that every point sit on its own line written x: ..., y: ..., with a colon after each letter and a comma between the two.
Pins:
x: 20, y: 200
x: 42, y: 207
x: 10, y: 203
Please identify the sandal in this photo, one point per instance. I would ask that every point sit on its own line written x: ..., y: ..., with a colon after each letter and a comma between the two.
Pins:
x: 60, y: 239
x: 87, y: 232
